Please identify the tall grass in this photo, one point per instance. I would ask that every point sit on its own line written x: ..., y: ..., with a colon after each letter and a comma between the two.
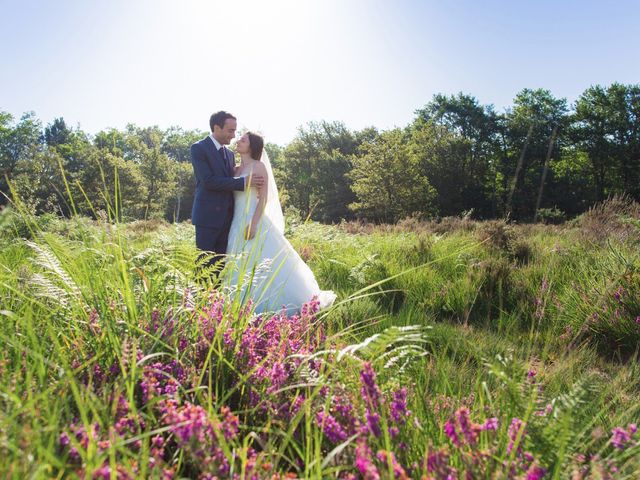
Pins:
x: 472, y: 351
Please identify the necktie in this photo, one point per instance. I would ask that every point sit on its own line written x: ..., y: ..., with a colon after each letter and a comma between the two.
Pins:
x: 223, y: 153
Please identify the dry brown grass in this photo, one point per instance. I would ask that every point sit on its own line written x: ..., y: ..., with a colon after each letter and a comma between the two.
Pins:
x: 411, y: 225
x: 612, y: 219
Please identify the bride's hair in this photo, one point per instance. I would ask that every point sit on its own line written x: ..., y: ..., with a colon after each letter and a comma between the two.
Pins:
x: 256, y: 144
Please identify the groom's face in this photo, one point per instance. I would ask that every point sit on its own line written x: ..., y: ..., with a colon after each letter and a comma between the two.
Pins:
x: 227, y: 133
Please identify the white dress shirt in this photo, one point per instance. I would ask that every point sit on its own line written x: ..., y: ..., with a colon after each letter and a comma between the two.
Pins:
x: 218, y: 147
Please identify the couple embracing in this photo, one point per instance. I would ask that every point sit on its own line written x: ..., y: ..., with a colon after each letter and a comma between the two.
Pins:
x: 238, y: 217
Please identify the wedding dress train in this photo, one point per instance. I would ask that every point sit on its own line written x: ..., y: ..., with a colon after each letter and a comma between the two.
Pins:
x: 267, y: 269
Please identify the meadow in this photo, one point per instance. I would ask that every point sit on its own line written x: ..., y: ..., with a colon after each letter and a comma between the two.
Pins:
x: 456, y: 349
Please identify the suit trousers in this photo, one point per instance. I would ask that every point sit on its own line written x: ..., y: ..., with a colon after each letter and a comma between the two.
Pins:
x: 213, y: 240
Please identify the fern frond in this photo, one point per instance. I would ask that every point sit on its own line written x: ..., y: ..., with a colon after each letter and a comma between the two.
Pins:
x: 48, y: 261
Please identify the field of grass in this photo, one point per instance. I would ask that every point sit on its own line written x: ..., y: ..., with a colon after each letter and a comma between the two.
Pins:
x: 456, y: 349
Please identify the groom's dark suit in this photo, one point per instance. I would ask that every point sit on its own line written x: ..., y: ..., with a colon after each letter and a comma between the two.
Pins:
x: 213, y: 202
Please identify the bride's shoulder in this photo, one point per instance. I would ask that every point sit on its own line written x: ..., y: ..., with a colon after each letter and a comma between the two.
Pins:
x: 260, y: 168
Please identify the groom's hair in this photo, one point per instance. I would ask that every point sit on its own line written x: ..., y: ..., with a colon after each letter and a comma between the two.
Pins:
x: 219, y: 118
x: 256, y: 144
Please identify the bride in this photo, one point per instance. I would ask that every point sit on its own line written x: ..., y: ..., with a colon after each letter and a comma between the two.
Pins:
x: 265, y: 267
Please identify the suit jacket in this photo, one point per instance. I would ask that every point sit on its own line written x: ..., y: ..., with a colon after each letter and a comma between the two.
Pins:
x: 215, y: 183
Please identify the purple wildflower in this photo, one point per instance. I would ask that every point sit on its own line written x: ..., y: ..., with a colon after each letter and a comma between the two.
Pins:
x: 620, y: 438
x: 373, y: 422
x: 536, y: 472
x: 490, y: 424
x: 63, y: 439
x: 545, y: 285
x: 468, y: 429
x: 399, y: 406
x: 398, y: 471
x: 370, y: 390
x: 516, y: 434
x: 331, y: 428
x: 230, y: 424
x: 364, y: 462
x: 103, y: 473
x: 450, y: 430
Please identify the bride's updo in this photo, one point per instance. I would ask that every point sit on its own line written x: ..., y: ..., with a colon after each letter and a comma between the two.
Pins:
x: 256, y: 144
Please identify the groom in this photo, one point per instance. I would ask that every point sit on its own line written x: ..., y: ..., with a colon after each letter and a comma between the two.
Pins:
x: 213, y: 166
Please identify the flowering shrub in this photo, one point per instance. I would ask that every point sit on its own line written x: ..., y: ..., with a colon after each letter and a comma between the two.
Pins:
x: 276, y: 374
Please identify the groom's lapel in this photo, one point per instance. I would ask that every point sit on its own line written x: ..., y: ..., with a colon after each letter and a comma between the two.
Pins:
x: 215, y: 155
x: 230, y: 163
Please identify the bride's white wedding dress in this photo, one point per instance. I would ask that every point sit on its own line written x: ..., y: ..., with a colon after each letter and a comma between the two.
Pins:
x: 267, y: 269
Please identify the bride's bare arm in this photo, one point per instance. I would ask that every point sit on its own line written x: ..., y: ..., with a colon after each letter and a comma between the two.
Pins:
x: 262, y: 202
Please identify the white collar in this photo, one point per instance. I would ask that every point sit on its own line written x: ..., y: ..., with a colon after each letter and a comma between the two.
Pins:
x: 215, y: 142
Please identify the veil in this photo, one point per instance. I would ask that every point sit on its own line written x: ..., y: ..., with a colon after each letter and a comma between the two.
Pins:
x: 273, y: 209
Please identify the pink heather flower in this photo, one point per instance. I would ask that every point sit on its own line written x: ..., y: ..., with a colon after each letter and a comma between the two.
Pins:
x: 103, y: 473
x: 621, y: 438
x: 228, y: 338
x: 398, y: 471
x: 399, y: 406
x: 450, y: 431
x: 157, y: 442
x: 94, y: 323
x: 230, y: 424
x: 531, y: 373
x: 633, y: 428
x: 370, y: 390
x: 373, y: 422
x: 638, y: 319
x: 437, y: 463
x: 63, y: 439
x: 297, y: 404
x: 331, y: 428
x: 155, y: 316
x: 515, y: 428
x: 157, y: 448
x: 364, y: 462
x: 278, y: 376
x: 535, y: 472
x: 543, y: 413
x: 344, y: 407
x: 188, y: 422
x: 490, y: 424
x: 618, y: 294
x: 468, y: 429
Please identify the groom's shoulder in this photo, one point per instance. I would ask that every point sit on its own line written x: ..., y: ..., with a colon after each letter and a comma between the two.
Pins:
x: 200, y: 143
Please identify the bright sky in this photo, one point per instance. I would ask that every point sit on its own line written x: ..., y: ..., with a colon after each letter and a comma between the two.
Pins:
x: 277, y: 64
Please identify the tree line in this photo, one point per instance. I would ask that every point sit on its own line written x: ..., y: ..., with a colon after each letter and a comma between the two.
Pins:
x: 540, y: 159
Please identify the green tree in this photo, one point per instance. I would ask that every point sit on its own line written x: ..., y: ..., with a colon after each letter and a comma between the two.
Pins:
x: 98, y: 182
x: 314, y: 167
x: 144, y: 145
x: 606, y: 128
x: 529, y: 126
x: 38, y: 183
x: 441, y: 156
x: 388, y: 180
x: 475, y: 170
x: 177, y: 146
x: 112, y: 140
x: 18, y: 142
